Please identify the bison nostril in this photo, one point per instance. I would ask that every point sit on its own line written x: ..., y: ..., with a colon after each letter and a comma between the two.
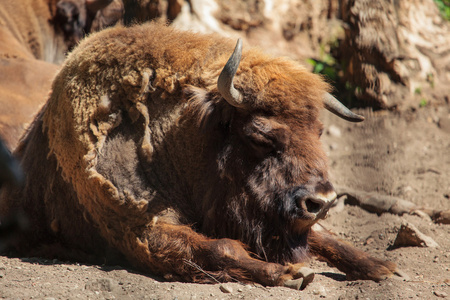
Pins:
x: 313, y: 205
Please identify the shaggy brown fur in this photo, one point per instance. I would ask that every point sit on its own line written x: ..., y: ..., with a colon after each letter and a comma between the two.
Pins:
x: 137, y: 151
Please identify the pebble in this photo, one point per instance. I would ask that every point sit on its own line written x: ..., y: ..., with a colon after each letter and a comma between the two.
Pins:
x: 320, y: 291
x: 369, y: 241
x: 440, y: 294
x: 226, y: 289
x: 407, y: 189
x: 334, y: 131
x: 71, y: 268
x: 2, y: 275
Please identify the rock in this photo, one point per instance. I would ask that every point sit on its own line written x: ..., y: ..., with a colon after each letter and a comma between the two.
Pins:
x: 407, y: 189
x: 104, y: 284
x: 444, y: 124
x: 320, y: 291
x: 409, y: 235
x: 440, y: 294
x: 226, y: 289
x: 442, y: 217
x: 421, y: 214
x: 333, y: 130
x: 369, y: 241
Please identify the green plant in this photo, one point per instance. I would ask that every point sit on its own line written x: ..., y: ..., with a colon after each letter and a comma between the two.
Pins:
x: 322, y: 67
x: 430, y: 79
x: 418, y: 91
x: 444, y: 8
x: 423, y: 102
x: 332, y: 69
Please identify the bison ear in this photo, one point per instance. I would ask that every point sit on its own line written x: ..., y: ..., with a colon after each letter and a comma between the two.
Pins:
x: 212, y: 113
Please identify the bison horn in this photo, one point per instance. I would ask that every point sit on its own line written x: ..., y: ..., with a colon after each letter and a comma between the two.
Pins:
x: 225, y: 81
x: 96, y: 5
x: 337, y: 108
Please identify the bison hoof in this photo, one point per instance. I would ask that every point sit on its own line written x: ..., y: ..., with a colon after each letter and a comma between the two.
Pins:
x: 295, y: 284
x: 302, y: 277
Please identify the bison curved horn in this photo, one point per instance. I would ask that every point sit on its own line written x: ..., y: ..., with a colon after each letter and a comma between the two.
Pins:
x: 225, y: 81
x: 337, y: 108
x: 96, y: 5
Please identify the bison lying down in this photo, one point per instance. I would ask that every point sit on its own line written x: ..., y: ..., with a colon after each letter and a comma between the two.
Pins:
x: 144, y: 149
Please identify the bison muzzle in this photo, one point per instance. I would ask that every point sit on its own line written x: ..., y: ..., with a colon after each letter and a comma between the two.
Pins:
x: 191, y: 164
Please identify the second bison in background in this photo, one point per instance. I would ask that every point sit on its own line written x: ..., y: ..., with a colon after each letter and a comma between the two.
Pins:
x: 192, y: 167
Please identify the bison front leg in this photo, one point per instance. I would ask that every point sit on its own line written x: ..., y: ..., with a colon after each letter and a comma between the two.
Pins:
x: 355, y: 263
x: 177, y: 252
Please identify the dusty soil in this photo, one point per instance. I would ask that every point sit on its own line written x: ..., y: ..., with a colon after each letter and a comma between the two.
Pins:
x: 401, y: 154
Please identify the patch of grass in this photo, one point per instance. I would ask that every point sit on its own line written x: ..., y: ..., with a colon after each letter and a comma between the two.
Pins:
x: 418, y: 91
x: 430, y: 79
x: 423, y: 102
x: 444, y: 8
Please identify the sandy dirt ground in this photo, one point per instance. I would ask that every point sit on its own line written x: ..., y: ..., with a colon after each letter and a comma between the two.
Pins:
x: 403, y: 154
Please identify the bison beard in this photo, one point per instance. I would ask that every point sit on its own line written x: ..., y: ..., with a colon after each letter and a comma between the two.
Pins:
x: 141, y: 150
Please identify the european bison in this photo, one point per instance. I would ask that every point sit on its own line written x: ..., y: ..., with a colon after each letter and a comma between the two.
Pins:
x: 34, y: 37
x: 191, y: 167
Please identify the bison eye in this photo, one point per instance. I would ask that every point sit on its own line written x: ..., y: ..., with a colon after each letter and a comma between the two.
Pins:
x: 265, y: 136
x: 260, y: 143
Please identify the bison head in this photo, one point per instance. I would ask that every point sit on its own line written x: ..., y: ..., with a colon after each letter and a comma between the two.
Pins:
x: 265, y: 141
